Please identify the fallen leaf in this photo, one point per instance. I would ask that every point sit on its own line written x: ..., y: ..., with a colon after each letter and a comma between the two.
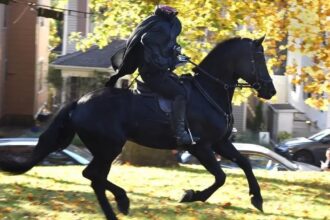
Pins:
x: 227, y: 204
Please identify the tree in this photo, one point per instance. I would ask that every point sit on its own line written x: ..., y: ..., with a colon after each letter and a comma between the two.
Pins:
x: 290, y: 25
x: 309, y: 35
x: 206, y: 22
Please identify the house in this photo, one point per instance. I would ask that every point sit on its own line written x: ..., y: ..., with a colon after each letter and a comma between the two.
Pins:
x: 75, y: 22
x: 289, y: 113
x: 23, y: 62
x: 79, y: 69
x: 297, y: 96
x: 78, y: 66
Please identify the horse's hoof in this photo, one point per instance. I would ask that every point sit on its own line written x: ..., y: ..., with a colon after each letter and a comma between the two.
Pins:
x: 257, y: 202
x: 123, y: 204
x: 187, y: 196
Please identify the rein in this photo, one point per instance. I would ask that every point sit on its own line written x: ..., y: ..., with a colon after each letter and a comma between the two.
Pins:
x: 226, y: 86
x: 229, y: 116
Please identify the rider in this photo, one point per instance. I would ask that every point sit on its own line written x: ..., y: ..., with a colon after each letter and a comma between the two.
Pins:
x: 152, y: 48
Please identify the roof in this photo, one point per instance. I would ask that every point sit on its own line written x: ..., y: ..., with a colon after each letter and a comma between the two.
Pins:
x: 93, y: 57
x: 282, y: 106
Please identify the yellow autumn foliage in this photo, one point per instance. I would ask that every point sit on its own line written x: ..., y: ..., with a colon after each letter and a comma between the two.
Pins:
x: 290, y: 25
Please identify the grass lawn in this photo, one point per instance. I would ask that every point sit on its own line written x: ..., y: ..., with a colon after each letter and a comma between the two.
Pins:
x: 62, y: 193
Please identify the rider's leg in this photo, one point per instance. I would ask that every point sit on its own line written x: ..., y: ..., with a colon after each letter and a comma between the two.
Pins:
x: 179, y: 121
x: 170, y: 88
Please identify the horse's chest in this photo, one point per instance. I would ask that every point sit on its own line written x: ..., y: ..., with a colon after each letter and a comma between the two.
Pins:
x: 217, y: 127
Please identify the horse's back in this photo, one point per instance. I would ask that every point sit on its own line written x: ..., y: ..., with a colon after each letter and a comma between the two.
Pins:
x: 123, y: 114
x: 101, y: 111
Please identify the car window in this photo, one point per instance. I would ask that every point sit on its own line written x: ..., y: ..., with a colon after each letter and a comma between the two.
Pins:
x: 227, y: 163
x: 58, y: 158
x: 320, y: 135
x: 262, y: 162
x: 83, y: 152
x: 257, y: 162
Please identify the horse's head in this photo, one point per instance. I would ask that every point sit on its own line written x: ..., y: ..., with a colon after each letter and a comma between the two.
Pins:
x: 252, y: 68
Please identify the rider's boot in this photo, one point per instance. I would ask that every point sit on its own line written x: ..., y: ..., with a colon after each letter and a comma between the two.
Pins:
x: 179, y: 115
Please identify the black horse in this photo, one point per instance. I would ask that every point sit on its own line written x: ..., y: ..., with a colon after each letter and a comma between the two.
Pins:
x: 105, y: 119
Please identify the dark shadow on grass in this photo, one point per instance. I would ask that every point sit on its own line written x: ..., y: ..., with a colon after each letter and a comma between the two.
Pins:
x: 70, y: 201
x: 248, y: 210
x: 325, y: 187
x: 185, y: 208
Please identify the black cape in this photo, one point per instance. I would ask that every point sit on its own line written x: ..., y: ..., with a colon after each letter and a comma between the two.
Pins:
x: 127, y: 59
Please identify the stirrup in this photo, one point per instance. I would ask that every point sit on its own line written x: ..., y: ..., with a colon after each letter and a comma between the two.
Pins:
x: 193, y: 142
x: 186, y: 138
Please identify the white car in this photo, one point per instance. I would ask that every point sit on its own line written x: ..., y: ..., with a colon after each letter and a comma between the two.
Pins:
x: 71, y: 155
x: 260, y: 158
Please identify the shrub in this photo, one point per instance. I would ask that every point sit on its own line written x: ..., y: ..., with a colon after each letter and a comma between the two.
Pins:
x: 283, y: 135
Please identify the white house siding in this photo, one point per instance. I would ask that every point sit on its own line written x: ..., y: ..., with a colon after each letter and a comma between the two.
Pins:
x: 70, y: 21
x: 281, y: 86
x: 75, y: 22
x: 296, y: 98
x: 239, y: 113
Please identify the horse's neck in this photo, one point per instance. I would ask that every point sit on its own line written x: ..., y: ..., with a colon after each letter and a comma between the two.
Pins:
x: 217, y: 91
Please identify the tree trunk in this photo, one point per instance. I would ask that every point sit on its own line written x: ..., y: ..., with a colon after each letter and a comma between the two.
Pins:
x: 142, y: 156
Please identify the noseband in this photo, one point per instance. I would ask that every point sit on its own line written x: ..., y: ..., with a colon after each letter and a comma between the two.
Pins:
x: 256, y: 85
x: 258, y: 82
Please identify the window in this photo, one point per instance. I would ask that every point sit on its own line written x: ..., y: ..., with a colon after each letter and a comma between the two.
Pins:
x: 307, y: 95
x: 257, y: 162
x: 42, y: 21
x: 294, y: 87
x: 58, y: 158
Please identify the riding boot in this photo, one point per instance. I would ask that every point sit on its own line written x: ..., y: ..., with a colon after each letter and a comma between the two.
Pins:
x: 179, y: 125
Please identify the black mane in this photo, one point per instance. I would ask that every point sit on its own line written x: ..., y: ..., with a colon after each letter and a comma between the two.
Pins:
x: 222, y: 51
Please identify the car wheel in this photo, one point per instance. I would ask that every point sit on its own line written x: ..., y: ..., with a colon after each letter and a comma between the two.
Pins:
x: 304, y: 156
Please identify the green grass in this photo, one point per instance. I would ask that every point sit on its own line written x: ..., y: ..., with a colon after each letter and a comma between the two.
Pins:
x: 62, y: 193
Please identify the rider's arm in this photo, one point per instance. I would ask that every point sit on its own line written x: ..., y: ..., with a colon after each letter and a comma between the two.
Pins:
x: 156, y: 42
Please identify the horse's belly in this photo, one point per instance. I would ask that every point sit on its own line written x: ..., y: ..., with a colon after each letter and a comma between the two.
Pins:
x: 153, y: 134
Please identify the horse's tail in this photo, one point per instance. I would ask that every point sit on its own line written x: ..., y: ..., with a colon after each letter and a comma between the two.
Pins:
x: 57, y: 136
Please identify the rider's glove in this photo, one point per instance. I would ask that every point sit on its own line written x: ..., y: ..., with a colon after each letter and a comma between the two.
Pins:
x: 177, y: 49
x: 182, y: 59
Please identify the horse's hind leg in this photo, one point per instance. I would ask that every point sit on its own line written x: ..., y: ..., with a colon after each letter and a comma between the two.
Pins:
x: 119, y: 193
x: 97, y: 172
x: 120, y: 196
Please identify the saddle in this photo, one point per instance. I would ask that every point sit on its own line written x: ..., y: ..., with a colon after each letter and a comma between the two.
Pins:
x: 164, y: 104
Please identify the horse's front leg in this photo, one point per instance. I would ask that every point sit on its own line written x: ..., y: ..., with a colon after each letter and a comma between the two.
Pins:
x: 228, y: 151
x: 207, y: 158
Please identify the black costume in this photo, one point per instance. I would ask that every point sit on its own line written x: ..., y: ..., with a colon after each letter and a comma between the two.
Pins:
x: 153, y: 50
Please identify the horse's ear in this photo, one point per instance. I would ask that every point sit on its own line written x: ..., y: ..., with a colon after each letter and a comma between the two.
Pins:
x: 259, y: 41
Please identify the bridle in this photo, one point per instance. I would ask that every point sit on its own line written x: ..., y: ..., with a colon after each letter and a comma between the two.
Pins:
x: 256, y: 85
x: 259, y: 81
